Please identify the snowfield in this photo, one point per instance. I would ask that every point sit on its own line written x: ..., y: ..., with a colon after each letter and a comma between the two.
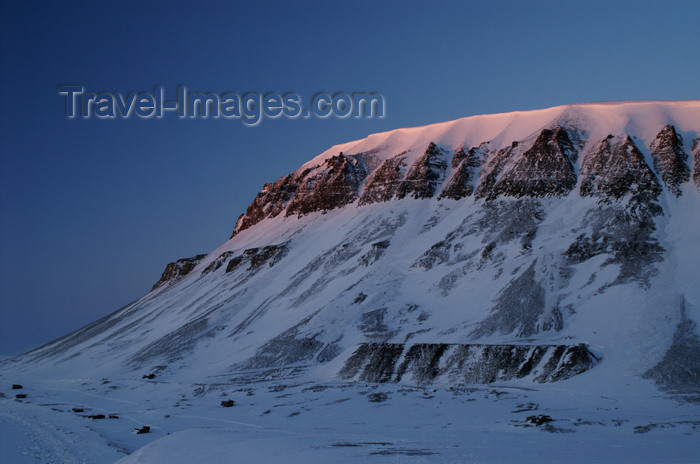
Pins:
x: 311, y: 421
x: 503, y: 288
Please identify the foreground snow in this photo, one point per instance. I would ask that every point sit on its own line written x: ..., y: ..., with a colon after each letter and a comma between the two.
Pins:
x: 304, y: 421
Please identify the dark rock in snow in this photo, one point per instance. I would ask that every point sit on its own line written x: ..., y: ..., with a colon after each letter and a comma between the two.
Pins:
x: 477, y: 364
x: 379, y: 397
x: 217, y: 263
x: 696, y: 162
x: 178, y: 269
x: 383, y: 184
x: 459, y: 156
x: 269, y: 255
x: 144, y: 429
x: 334, y: 185
x: 539, y: 419
x: 227, y: 403
x: 565, y: 362
x: 257, y: 257
x: 329, y: 352
x: 545, y: 169
x: 271, y: 201
x: 670, y: 159
x: 373, y: 362
x: 425, y: 175
x: 491, y: 171
x: 423, y: 360
x: 616, y: 167
x: 360, y: 298
x: 460, y: 184
x: 235, y: 263
x: 17, y: 386
x: 610, y: 171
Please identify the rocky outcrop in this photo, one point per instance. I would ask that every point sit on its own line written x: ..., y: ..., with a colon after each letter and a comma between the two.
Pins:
x: 425, y: 175
x: 696, y: 162
x: 670, y: 159
x: 491, y: 171
x: 538, y: 166
x: 178, y: 269
x: 217, y: 263
x: 461, y: 182
x: 616, y: 167
x: 271, y: 201
x: 474, y: 364
x: 390, y: 180
x: 254, y: 258
x: 544, y: 169
x: 334, y: 185
x: 383, y: 184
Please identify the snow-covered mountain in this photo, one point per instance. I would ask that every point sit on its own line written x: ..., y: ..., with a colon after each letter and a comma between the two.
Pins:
x: 550, y: 256
x: 534, y: 245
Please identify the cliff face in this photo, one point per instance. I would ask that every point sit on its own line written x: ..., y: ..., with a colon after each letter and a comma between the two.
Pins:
x: 696, y: 162
x: 383, y: 184
x: 425, y: 175
x: 615, y: 168
x: 461, y: 182
x: 540, y: 170
x: 333, y: 185
x: 271, y: 201
x: 670, y: 159
x: 540, y: 166
x: 177, y: 269
x: 471, y: 364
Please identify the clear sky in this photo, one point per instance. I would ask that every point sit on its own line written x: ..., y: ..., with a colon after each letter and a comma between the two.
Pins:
x: 91, y: 210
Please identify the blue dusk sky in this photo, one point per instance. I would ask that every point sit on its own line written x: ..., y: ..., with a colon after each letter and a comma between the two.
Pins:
x: 91, y: 210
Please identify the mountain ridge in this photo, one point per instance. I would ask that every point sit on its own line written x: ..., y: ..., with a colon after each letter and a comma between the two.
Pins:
x: 383, y: 163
